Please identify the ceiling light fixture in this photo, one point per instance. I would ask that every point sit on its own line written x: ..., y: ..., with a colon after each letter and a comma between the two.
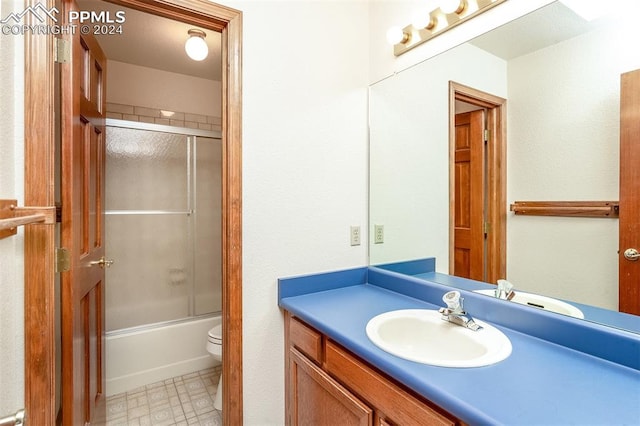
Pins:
x: 195, y: 45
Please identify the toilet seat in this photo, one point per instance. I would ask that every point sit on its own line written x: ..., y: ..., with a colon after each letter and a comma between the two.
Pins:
x: 214, y: 342
x: 215, y: 335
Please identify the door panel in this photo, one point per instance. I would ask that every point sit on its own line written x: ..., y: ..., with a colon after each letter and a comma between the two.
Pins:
x: 469, y: 196
x: 629, y: 270
x: 317, y: 399
x: 82, y: 294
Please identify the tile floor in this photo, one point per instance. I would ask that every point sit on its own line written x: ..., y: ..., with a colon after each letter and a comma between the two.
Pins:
x: 182, y: 401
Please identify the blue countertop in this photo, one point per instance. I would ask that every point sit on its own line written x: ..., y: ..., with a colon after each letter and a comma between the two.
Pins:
x: 561, y: 371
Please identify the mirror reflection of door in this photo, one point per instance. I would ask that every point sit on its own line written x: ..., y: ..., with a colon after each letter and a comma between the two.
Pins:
x: 469, y: 201
x: 477, y: 176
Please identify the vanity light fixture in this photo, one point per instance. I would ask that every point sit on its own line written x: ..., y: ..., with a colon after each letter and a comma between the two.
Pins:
x: 195, y: 46
x: 449, y: 14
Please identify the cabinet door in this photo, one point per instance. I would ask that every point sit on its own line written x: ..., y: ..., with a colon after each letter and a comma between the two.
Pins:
x: 316, y: 399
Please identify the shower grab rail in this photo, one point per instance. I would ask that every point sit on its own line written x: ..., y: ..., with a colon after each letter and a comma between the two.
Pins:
x: 12, y: 216
x: 16, y: 419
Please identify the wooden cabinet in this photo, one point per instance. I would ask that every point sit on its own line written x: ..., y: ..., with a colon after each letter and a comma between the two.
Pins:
x: 328, y: 385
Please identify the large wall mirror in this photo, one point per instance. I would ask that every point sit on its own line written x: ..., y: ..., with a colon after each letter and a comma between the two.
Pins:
x: 560, y: 76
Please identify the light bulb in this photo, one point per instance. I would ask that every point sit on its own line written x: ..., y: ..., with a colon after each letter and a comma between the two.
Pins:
x: 451, y: 6
x: 195, y: 45
x: 421, y: 20
x: 395, y: 35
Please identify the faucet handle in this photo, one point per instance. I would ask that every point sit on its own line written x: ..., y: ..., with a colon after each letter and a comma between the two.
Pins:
x: 505, y: 285
x: 453, y: 300
x: 505, y: 290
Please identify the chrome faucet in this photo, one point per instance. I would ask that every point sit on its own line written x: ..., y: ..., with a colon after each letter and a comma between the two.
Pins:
x: 455, y: 313
x: 505, y: 290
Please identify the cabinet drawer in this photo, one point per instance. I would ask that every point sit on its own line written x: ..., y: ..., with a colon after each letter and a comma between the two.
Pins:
x: 305, y: 339
x: 385, y: 396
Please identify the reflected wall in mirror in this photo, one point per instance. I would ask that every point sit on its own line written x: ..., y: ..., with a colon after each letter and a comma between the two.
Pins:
x: 560, y: 75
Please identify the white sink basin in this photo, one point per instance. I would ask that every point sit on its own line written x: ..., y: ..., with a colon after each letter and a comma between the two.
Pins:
x: 541, y: 302
x: 421, y: 335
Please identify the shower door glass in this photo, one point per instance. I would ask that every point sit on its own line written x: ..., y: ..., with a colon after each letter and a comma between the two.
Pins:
x: 208, y: 222
x: 154, y: 228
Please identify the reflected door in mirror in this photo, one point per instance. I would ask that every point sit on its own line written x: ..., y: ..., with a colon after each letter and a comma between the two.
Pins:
x: 469, y: 234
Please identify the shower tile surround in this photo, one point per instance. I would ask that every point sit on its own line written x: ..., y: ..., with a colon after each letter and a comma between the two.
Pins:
x: 154, y: 115
x: 180, y: 401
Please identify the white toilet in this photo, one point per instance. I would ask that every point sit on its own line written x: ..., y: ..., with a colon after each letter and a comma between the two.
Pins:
x: 214, y: 347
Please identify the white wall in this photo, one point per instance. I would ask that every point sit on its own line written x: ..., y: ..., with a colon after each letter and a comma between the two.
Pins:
x: 304, y: 166
x: 11, y: 249
x: 135, y: 85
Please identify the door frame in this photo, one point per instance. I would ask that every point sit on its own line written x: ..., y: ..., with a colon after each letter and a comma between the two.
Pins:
x: 39, y: 190
x: 496, y: 175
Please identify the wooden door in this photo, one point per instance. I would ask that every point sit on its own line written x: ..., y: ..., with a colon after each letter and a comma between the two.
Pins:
x: 629, y: 225
x: 469, y: 237
x: 82, y: 232
x: 316, y: 399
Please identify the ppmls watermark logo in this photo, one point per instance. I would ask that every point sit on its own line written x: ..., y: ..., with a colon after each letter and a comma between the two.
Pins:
x: 46, y: 22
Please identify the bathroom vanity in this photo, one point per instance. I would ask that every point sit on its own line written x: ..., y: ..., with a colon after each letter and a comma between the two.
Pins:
x: 561, y: 370
x: 327, y: 384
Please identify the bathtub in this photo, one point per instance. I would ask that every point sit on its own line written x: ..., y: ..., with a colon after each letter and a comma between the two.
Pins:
x: 151, y: 354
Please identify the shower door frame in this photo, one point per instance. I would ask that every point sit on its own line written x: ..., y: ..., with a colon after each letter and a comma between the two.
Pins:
x: 39, y: 190
x: 190, y: 209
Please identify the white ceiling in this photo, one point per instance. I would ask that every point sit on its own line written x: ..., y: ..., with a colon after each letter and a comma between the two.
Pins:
x: 155, y: 42
x: 546, y: 26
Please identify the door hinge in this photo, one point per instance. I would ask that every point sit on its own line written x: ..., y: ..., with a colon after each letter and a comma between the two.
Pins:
x: 487, y: 135
x: 62, y: 51
x: 487, y: 228
x: 63, y: 260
